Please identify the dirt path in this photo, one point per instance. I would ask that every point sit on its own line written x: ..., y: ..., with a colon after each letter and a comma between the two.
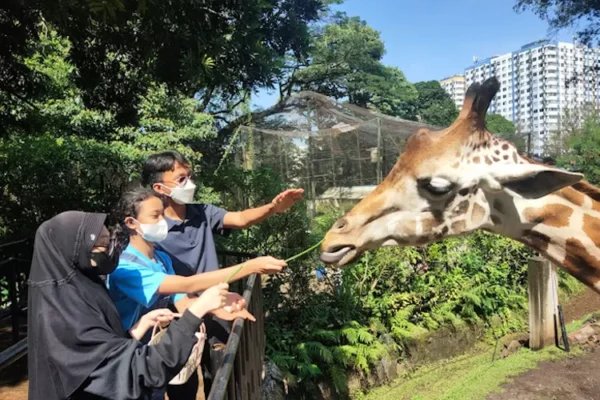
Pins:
x: 582, y: 305
x: 570, y: 379
x: 576, y: 378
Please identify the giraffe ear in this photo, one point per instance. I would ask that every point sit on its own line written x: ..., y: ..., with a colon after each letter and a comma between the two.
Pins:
x: 532, y: 181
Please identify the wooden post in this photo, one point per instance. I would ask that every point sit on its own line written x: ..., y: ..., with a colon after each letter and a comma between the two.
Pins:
x: 543, y: 297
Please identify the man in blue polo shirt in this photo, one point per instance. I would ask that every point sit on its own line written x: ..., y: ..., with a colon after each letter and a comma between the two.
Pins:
x: 190, y: 242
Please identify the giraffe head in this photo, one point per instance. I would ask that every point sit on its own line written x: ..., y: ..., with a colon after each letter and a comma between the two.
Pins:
x: 446, y: 183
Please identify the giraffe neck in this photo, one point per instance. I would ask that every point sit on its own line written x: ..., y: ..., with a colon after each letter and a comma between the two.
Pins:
x: 564, y: 227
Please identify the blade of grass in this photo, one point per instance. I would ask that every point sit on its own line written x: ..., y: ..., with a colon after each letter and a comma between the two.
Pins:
x: 238, y: 269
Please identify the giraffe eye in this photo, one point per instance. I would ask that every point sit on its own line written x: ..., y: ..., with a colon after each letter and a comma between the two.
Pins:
x: 436, y: 186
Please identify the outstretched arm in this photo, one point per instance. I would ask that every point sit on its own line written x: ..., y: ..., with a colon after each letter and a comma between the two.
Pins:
x: 252, y: 216
x: 172, y: 284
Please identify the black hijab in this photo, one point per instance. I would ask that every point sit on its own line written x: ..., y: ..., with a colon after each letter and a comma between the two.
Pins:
x: 69, y: 309
x: 78, y: 348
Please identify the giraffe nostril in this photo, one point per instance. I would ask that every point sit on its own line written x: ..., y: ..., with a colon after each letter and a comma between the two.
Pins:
x: 340, y: 224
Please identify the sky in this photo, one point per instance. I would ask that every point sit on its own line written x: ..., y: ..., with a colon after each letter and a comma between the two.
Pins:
x: 434, y: 39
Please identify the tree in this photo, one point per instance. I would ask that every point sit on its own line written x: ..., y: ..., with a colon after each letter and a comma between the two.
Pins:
x: 584, y: 147
x: 119, y: 48
x: 433, y: 104
x: 501, y: 127
x: 62, y: 155
x: 566, y: 13
x: 345, y: 63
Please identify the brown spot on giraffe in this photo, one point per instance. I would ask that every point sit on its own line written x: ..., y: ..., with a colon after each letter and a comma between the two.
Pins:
x: 537, y: 240
x: 459, y: 226
x: 580, y: 263
x: 476, y: 160
x: 478, y: 214
x: 410, y: 226
x: 591, y: 227
x: 488, y: 161
x: 428, y: 224
x: 505, y: 146
x: 572, y: 196
x: 462, y: 207
x: 555, y: 215
x: 455, y: 165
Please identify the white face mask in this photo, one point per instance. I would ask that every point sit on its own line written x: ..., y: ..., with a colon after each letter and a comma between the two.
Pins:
x: 183, y: 194
x: 154, y: 232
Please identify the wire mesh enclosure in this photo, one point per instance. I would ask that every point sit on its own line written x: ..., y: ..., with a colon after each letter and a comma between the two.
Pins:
x: 333, y: 150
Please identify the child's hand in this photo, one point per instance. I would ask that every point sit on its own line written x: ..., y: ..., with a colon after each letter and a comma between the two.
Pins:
x: 210, y: 300
x: 230, y: 316
x: 234, y: 302
x: 235, y: 307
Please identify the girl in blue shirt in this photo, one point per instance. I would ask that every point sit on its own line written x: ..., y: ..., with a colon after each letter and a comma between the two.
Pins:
x: 144, y: 279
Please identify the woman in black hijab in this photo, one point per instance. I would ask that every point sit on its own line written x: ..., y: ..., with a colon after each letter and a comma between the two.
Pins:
x: 78, y: 348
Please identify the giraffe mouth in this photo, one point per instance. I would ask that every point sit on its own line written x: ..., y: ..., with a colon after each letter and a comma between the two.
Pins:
x: 339, y: 255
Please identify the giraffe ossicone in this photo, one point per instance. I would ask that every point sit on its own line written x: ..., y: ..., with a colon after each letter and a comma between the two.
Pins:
x: 454, y: 181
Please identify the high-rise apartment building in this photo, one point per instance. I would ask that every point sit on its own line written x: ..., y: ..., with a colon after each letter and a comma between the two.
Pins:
x: 455, y: 87
x: 537, y: 87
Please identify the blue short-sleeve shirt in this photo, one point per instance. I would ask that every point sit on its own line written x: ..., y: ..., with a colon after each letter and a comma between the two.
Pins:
x: 134, y: 285
x: 190, y: 243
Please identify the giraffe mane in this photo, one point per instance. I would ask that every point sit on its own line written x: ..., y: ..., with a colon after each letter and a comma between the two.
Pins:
x: 588, y: 189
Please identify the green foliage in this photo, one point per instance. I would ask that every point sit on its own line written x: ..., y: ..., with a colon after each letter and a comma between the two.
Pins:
x: 434, y: 105
x: 562, y: 14
x: 470, y: 376
x: 505, y: 129
x: 61, y: 155
x: 346, y: 64
x: 584, y: 147
x: 42, y: 176
x: 121, y: 47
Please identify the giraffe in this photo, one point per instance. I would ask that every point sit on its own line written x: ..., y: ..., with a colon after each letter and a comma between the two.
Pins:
x: 454, y: 181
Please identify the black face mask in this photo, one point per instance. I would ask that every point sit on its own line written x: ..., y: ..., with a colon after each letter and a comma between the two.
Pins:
x: 105, y: 264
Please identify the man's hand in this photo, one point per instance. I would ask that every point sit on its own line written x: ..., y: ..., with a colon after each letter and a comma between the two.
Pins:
x: 265, y: 265
x: 285, y: 200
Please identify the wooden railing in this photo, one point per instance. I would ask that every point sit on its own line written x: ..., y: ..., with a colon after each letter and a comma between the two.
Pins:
x: 15, y: 261
x: 238, y: 365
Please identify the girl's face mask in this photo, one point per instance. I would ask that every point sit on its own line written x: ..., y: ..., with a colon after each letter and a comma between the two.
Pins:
x: 154, y: 232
